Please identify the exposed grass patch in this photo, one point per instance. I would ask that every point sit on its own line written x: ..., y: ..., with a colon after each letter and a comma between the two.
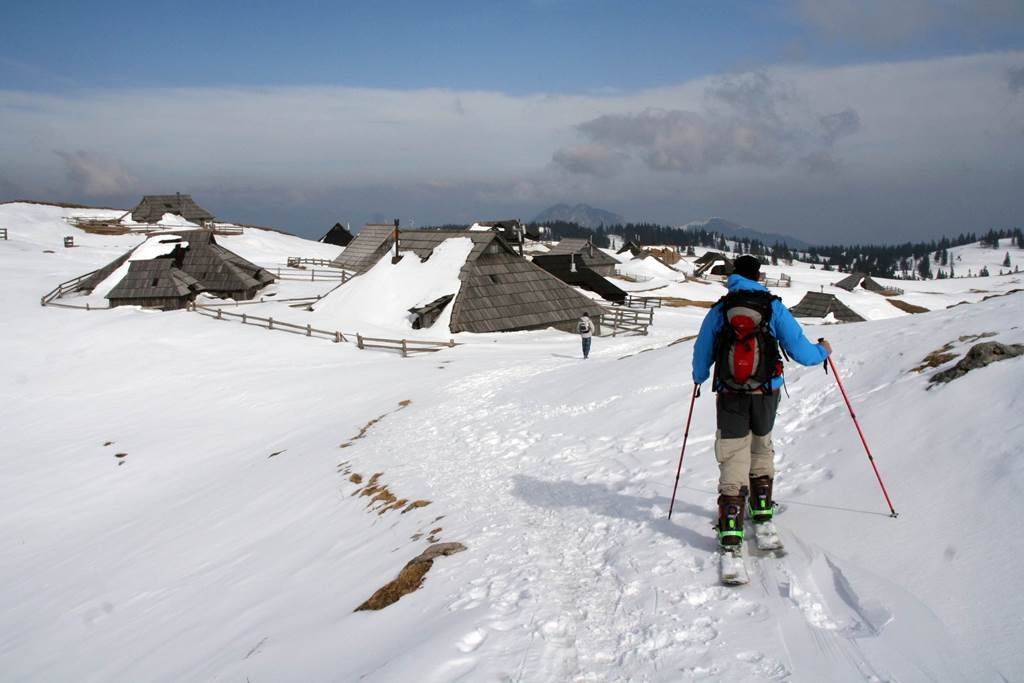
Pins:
x: 410, y: 578
x: 366, y: 427
x: 936, y: 358
x: 904, y: 306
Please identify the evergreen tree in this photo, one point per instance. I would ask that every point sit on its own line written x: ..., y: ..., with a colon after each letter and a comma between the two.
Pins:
x: 1006, y: 261
x: 924, y: 267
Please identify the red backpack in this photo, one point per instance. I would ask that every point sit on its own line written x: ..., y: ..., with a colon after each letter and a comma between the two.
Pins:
x: 747, y: 356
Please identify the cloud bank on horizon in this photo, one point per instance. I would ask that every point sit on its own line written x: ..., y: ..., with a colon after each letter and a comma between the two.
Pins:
x: 851, y: 152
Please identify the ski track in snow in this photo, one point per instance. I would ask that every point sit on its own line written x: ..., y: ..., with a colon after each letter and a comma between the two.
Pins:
x: 589, y: 569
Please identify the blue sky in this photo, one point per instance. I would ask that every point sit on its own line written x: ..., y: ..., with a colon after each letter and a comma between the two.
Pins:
x: 666, y: 111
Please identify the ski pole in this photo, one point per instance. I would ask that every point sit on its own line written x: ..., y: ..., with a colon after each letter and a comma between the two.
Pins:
x: 871, y: 458
x: 693, y: 399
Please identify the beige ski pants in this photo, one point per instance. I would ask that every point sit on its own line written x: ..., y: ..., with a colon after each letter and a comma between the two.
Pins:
x: 743, y: 442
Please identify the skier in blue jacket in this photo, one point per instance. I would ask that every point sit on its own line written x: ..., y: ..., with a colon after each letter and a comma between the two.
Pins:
x: 746, y: 407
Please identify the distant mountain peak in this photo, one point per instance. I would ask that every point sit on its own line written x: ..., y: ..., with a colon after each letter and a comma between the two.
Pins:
x: 728, y: 228
x: 580, y: 214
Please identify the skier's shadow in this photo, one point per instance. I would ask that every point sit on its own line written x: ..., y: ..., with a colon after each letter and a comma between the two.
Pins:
x: 601, y: 501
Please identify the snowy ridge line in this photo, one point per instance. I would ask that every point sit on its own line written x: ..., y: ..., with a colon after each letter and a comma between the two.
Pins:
x: 406, y: 346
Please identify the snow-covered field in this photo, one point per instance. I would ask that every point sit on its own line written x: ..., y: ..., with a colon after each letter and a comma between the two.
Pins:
x: 178, y: 499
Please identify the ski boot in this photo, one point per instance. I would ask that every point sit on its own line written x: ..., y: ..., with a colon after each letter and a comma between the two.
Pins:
x: 730, y: 520
x: 762, y: 507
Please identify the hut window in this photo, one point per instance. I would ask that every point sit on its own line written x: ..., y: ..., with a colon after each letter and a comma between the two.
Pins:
x: 155, y: 281
x: 494, y: 278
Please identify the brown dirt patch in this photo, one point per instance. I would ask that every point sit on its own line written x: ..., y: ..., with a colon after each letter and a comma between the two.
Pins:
x: 908, y: 308
x: 936, y: 358
x: 366, y: 427
x: 410, y: 578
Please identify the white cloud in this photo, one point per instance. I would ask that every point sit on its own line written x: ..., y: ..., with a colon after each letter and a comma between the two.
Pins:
x: 96, y: 176
x: 436, y: 152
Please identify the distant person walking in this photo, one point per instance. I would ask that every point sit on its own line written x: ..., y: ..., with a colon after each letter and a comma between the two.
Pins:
x: 740, y: 336
x: 586, y: 331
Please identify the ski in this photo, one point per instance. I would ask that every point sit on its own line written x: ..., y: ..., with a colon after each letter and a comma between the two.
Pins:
x: 767, y: 539
x: 733, y: 568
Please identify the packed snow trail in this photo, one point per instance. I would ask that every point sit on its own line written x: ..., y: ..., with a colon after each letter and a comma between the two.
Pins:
x: 577, y: 575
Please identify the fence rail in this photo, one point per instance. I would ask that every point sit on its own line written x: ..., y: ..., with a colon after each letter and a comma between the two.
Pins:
x: 781, y: 281
x: 299, y: 262
x: 405, y: 346
x: 3, y: 233
x: 311, y: 275
x: 633, y: 301
x: 63, y: 288
x: 626, y: 321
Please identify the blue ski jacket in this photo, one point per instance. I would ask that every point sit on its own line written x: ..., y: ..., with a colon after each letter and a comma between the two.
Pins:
x: 783, y: 326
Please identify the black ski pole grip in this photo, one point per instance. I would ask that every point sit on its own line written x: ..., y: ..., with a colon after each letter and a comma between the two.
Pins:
x: 824, y: 365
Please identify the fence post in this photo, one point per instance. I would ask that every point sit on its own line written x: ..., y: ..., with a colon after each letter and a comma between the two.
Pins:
x: 87, y: 305
x: 337, y: 337
x: 219, y: 316
x: 243, y: 318
x: 309, y: 330
x: 312, y: 275
x: 271, y: 323
x: 359, y: 340
x: 451, y: 343
x: 405, y: 351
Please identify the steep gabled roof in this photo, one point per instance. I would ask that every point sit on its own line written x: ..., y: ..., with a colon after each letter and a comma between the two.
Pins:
x: 339, y: 236
x: 502, y: 292
x: 153, y: 206
x: 366, y: 249
x: 584, y: 249
x: 850, y: 282
x: 819, y: 305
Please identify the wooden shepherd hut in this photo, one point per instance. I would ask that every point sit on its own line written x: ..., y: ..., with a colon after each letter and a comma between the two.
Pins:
x: 153, y: 207
x: 592, y: 257
x: 819, y: 305
x: 499, y: 291
x: 339, y: 236
x: 196, y: 264
x: 713, y: 263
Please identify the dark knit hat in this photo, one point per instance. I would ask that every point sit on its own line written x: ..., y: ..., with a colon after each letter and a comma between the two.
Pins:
x: 749, y: 267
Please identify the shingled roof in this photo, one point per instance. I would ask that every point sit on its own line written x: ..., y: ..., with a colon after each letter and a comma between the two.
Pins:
x: 819, y: 305
x: 369, y: 245
x: 153, y: 207
x: 199, y: 264
x: 592, y: 257
x: 850, y: 282
x: 155, y: 283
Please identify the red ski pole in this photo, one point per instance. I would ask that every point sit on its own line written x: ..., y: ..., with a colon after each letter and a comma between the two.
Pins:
x: 693, y: 399
x: 871, y: 458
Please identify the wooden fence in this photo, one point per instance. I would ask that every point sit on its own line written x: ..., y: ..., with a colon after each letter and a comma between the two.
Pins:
x: 633, y: 301
x: 626, y: 321
x: 300, y: 262
x: 50, y: 298
x: 405, y: 346
x: 781, y: 281
x: 312, y: 275
x: 3, y: 233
